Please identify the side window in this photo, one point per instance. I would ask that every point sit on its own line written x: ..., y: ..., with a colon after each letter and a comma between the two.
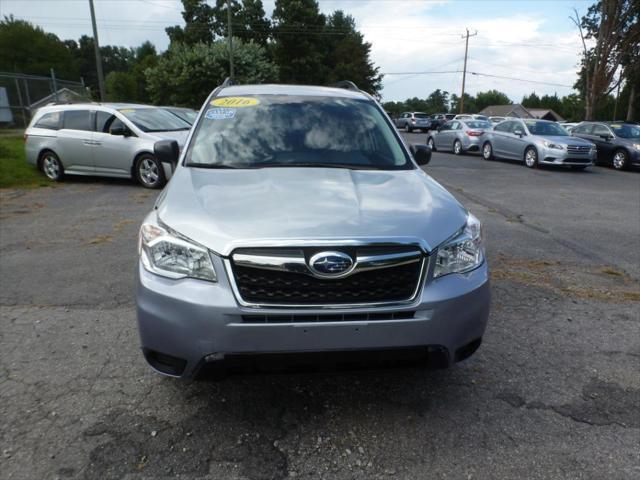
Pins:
x: 77, y: 120
x: 516, y: 126
x: 502, y: 127
x: 600, y: 130
x: 446, y: 126
x: 115, y: 122
x: 103, y: 119
x: 50, y: 121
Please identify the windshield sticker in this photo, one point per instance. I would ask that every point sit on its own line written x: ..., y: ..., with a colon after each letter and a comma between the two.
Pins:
x: 235, y: 102
x: 220, y: 113
x: 126, y: 110
x: 616, y: 125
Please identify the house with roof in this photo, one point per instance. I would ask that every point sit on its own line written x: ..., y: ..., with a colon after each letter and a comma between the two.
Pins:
x: 517, y: 110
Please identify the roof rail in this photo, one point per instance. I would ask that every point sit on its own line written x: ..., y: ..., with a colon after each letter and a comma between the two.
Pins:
x: 227, y: 82
x: 347, y: 85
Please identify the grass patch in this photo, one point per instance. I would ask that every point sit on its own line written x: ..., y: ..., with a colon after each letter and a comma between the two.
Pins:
x: 14, y: 169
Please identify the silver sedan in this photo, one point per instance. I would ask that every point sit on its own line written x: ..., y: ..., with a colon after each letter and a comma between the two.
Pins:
x: 459, y: 136
x: 537, y: 142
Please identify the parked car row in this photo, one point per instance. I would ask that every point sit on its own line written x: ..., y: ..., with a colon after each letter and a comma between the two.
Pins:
x: 538, y: 142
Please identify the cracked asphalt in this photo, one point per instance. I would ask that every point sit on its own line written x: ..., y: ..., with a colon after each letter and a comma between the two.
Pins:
x: 553, y: 393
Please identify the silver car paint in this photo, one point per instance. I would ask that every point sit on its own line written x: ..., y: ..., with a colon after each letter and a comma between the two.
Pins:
x: 508, y: 145
x: 226, y: 209
x: 94, y: 153
x: 444, y: 139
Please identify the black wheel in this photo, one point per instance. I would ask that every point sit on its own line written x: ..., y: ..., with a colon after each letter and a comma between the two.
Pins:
x: 431, y: 144
x: 457, y: 147
x: 487, y: 151
x: 408, y: 128
x: 531, y: 157
x: 52, y: 166
x: 149, y: 171
x: 620, y: 159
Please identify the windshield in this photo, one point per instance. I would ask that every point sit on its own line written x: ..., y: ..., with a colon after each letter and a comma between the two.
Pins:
x: 481, y: 117
x: 545, y: 128
x: 421, y: 115
x: 185, y: 114
x: 298, y: 131
x: 154, y: 119
x: 626, y: 131
x: 478, y: 124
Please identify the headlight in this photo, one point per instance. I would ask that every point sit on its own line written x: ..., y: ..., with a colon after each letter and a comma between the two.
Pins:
x: 169, y: 255
x: 464, y: 252
x: 554, y: 146
x: 636, y: 146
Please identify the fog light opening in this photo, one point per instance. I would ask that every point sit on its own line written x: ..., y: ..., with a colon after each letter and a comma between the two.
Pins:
x: 164, y: 363
x: 467, y: 350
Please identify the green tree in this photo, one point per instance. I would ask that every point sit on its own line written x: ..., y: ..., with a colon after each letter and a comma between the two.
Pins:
x: 247, y: 18
x: 348, y: 55
x: 199, y: 24
x: 299, y: 50
x: 531, y: 101
x: 469, y: 104
x: 491, y: 97
x: 121, y: 87
x: 438, y: 101
x: 146, y: 57
x: 552, y: 102
x: 186, y: 74
x: 25, y: 48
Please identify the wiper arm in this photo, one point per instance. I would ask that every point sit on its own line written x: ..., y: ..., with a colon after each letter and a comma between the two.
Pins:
x: 211, y: 166
x: 350, y: 166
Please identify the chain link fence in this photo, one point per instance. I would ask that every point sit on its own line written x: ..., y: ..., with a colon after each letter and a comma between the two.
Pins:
x: 21, y: 95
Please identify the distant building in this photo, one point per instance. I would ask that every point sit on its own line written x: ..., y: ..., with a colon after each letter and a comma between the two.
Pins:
x: 517, y: 110
x: 64, y: 95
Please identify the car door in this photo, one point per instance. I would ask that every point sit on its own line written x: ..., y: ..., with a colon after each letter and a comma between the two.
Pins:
x: 452, y: 134
x: 114, y: 154
x: 441, y: 136
x: 603, y: 137
x: 75, y: 141
x: 499, y: 138
x: 516, y: 141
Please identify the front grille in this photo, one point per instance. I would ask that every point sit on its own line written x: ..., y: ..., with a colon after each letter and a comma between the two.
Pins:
x: 390, y: 284
x: 347, y: 317
x: 579, y: 149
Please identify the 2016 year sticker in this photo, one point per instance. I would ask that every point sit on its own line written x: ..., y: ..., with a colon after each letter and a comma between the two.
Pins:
x: 235, y: 102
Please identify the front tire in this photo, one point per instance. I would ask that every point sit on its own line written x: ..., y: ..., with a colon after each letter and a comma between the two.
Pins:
x: 487, y: 151
x: 407, y: 128
x: 457, y: 147
x: 620, y: 160
x: 531, y: 157
x: 149, y: 171
x: 52, y: 166
x: 431, y: 143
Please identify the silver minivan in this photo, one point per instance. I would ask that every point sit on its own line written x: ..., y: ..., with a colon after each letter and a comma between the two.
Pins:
x: 112, y: 140
x: 298, y: 221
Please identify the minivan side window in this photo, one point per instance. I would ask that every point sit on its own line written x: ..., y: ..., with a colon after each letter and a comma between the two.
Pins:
x: 77, y: 120
x: 103, y: 120
x: 50, y: 121
x: 503, y: 127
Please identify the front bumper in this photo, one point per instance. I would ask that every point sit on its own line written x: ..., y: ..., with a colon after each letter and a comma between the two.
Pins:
x: 563, y: 157
x: 191, y: 320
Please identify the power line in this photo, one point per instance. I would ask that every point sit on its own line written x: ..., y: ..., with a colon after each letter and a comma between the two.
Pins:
x: 520, y: 79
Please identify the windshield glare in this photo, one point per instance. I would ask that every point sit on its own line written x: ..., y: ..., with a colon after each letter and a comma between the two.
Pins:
x: 546, y: 128
x: 288, y: 130
x: 154, y: 119
x: 626, y: 131
x: 478, y: 124
x: 421, y: 115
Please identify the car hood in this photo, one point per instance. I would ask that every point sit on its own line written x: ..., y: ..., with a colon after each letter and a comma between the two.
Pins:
x: 226, y: 209
x: 179, y: 135
x: 565, y: 140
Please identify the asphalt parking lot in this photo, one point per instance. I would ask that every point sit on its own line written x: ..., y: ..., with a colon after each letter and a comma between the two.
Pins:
x: 554, y: 391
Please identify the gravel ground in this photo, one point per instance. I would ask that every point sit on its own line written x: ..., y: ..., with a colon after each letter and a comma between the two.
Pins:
x: 554, y: 391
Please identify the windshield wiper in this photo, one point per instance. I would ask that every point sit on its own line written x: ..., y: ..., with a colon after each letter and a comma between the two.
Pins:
x: 350, y: 166
x: 212, y: 166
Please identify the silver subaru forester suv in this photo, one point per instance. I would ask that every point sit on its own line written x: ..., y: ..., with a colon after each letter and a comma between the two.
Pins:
x: 297, y: 220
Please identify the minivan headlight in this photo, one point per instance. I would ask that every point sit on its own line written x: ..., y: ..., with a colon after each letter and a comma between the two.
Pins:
x: 169, y: 255
x: 462, y: 253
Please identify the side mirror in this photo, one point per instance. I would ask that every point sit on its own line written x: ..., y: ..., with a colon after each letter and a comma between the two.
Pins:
x: 519, y: 133
x: 167, y: 151
x: 121, y: 130
x: 421, y: 154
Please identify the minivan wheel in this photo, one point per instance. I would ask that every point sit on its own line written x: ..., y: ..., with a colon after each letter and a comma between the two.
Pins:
x: 531, y: 157
x: 457, y: 147
x: 149, y: 172
x: 431, y: 144
x: 487, y: 151
x: 408, y: 128
x: 619, y: 160
x: 52, y: 166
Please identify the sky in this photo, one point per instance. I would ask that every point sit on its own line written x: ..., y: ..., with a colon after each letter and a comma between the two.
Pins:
x: 532, y: 42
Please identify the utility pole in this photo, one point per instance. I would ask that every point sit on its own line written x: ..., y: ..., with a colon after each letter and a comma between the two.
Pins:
x: 464, y: 71
x: 230, y: 34
x: 96, y: 46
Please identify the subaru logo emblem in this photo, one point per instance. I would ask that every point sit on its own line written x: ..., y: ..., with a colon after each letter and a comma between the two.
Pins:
x: 331, y: 264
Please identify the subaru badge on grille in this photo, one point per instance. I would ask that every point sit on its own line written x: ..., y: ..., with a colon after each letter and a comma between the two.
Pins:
x: 331, y: 264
